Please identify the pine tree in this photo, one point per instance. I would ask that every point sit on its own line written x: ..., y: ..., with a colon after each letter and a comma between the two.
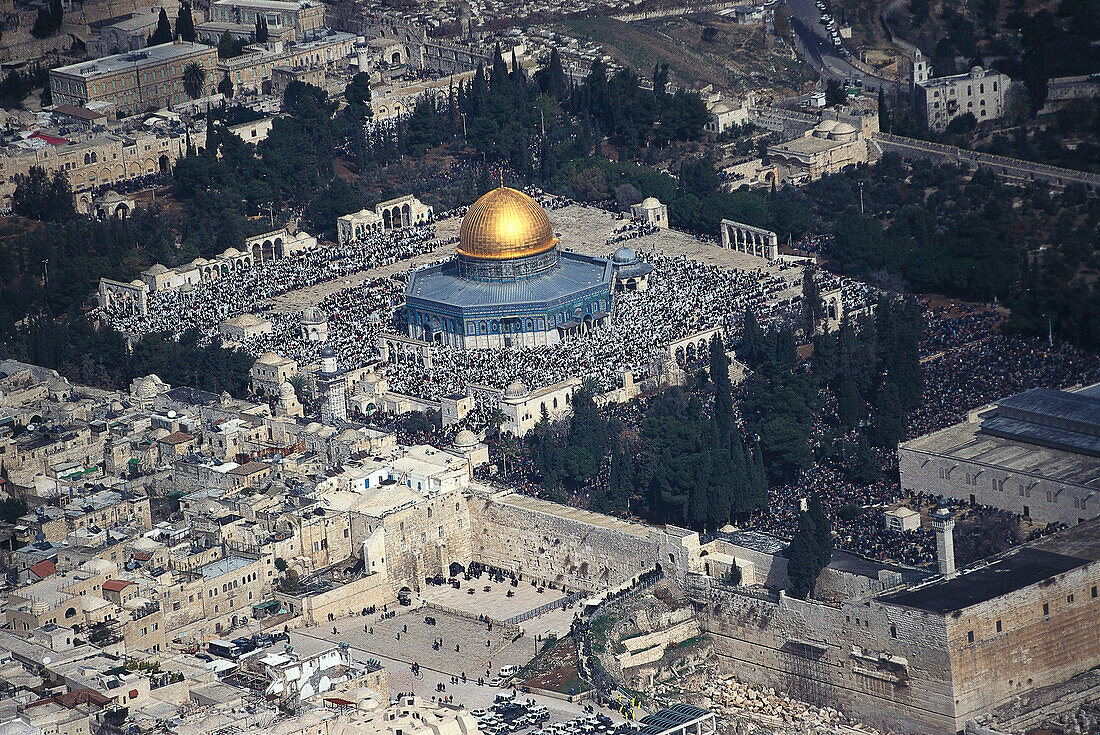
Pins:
x: 185, y: 23
x: 552, y: 78
x: 499, y: 71
x: 850, y: 407
x: 888, y: 417
x: 262, y: 33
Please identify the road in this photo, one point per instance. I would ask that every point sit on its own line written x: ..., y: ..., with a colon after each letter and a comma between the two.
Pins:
x: 815, y: 45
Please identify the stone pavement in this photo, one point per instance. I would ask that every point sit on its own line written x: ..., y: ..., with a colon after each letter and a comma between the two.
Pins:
x: 581, y: 229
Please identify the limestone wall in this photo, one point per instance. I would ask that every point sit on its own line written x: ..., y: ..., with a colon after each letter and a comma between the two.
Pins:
x: 569, y: 548
x: 1027, y: 645
x: 421, y: 540
x: 887, y: 667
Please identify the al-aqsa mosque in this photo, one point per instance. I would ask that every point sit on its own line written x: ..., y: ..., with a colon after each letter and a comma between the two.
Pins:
x: 511, y: 285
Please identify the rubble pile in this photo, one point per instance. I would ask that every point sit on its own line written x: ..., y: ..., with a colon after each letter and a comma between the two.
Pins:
x: 744, y: 710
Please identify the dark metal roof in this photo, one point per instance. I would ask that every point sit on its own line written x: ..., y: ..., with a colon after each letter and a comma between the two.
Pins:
x: 1017, y: 569
x: 443, y: 284
x: 670, y: 718
x: 1050, y: 418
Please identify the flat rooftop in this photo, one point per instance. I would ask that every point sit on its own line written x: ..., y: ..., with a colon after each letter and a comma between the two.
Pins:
x: 1022, y: 567
x: 133, y: 59
x: 806, y: 146
x: 224, y: 566
x: 967, y: 442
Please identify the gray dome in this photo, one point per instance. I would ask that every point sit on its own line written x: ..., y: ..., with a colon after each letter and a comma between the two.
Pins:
x: 624, y: 256
x: 515, y: 390
x: 328, y: 351
x: 465, y: 439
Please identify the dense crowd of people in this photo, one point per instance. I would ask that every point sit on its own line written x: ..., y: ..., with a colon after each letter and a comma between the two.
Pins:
x: 684, y: 297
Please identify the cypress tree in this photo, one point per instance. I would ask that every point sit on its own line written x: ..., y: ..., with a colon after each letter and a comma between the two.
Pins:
x: 823, y: 531
x: 185, y: 23
x: 883, y: 113
x: 752, y: 341
x: 803, y: 558
x: 163, y: 32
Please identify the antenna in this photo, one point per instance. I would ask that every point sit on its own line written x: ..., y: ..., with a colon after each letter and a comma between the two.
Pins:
x: 501, y: 172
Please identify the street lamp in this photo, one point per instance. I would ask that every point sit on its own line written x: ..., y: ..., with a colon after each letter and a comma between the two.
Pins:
x: 861, y: 211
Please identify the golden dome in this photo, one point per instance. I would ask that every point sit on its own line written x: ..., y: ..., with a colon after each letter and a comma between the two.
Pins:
x: 504, y: 224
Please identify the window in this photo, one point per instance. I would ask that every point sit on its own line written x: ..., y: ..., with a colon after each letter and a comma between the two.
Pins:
x: 998, y: 626
x: 1046, y: 608
x: 893, y: 631
x: 1069, y: 598
x: 969, y: 636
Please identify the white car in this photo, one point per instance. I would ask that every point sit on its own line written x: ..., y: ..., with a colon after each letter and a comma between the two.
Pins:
x: 495, y: 681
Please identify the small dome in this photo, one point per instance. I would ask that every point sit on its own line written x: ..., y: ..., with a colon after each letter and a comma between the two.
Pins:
x: 313, y: 315
x: 843, y: 132
x: 624, y: 256
x: 271, y: 358
x: 651, y: 203
x: 157, y: 269
x: 465, y: 439
x: 286, y: 390
x: 822, y: 129
x: 231, y: 253
x: 200, y: 261
x: 515, y: 390
x: 328, y: 351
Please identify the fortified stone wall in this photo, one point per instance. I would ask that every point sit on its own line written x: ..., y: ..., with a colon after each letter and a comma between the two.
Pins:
x: 569, y: 548
x: 888, y: 667
x: 421, y: 540
x: 1025, y: 643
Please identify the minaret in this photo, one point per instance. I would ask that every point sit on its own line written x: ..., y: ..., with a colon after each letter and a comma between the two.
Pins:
x: 943, y: 523
x: 332, y: 388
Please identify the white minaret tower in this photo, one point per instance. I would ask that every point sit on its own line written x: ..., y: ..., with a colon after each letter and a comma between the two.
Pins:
x: 332, y: 387
x: 943, y: 523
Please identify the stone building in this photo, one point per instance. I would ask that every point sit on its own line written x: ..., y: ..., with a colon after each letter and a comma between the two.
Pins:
x: 828, y: 148
x: 137, y: 80
x: 1034, y: 454
x: 980, y: 92
x: 917, y: 659
x: 244, y: 326
x: 94, y: 161
x: 269, y: 372
x: 651, y: 211
x: 288, y: 21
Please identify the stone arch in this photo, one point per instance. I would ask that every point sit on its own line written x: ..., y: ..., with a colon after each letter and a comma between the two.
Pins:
x: 122, y: 211
x: 279, y: 247
x: 268, y: 250
x: 257, y: 253
x: 70, y: 613
x: 386, y: 222
x: 396, y: 58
